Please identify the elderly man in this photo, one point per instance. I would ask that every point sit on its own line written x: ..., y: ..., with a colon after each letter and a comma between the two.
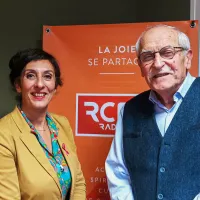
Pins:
x: 156, y: 150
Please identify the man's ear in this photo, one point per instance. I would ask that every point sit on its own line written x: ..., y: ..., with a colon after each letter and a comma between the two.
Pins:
x: 188, y: 59
x: 140, y: 66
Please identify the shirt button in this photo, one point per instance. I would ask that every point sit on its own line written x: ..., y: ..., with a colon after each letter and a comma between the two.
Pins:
x: 160, y: 196
x: 62, y: 168
x: 162, y: 169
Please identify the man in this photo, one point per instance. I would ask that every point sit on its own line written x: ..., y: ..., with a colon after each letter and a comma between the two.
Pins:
x: 156, y: 150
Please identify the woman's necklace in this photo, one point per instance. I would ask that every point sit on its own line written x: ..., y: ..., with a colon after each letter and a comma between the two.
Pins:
x: 41, y: 129
x: 44, y: 129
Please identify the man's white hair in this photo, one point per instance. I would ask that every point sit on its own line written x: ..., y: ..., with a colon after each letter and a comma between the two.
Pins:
x: 183, y: 40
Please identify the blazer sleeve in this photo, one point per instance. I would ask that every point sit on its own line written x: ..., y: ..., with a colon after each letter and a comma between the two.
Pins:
x: 79, y: 192
x: 9, y: 185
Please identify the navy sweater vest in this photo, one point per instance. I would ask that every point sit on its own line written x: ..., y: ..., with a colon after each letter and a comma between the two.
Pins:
x: 163, y: 167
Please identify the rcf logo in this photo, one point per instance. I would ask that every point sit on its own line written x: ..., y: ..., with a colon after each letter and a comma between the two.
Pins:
x: 96, y: 114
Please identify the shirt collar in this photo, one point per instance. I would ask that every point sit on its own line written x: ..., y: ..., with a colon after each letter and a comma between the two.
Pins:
x: 50, y: 122
x: 179, y: 94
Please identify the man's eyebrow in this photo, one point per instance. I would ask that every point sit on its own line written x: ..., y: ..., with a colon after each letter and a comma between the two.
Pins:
x: 145, y: 51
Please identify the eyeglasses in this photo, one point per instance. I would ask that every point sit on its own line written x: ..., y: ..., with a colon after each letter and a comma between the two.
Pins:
x: 167, y: 52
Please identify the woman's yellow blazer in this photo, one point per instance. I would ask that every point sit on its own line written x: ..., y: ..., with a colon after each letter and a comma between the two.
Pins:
x: 25, y: 171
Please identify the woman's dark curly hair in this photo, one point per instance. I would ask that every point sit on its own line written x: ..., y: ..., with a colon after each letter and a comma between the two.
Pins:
x: 19, y: 61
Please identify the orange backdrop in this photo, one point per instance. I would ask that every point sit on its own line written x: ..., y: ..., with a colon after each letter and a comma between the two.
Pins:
x: 100, y: 74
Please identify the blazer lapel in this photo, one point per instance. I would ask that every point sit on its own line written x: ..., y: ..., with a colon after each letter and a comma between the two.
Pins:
x: 32, y: 144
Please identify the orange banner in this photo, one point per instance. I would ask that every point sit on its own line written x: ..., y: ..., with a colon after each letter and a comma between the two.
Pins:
x: 100, y: 73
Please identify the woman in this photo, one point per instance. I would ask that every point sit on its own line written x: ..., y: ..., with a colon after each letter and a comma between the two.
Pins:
x: 38, y: 157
